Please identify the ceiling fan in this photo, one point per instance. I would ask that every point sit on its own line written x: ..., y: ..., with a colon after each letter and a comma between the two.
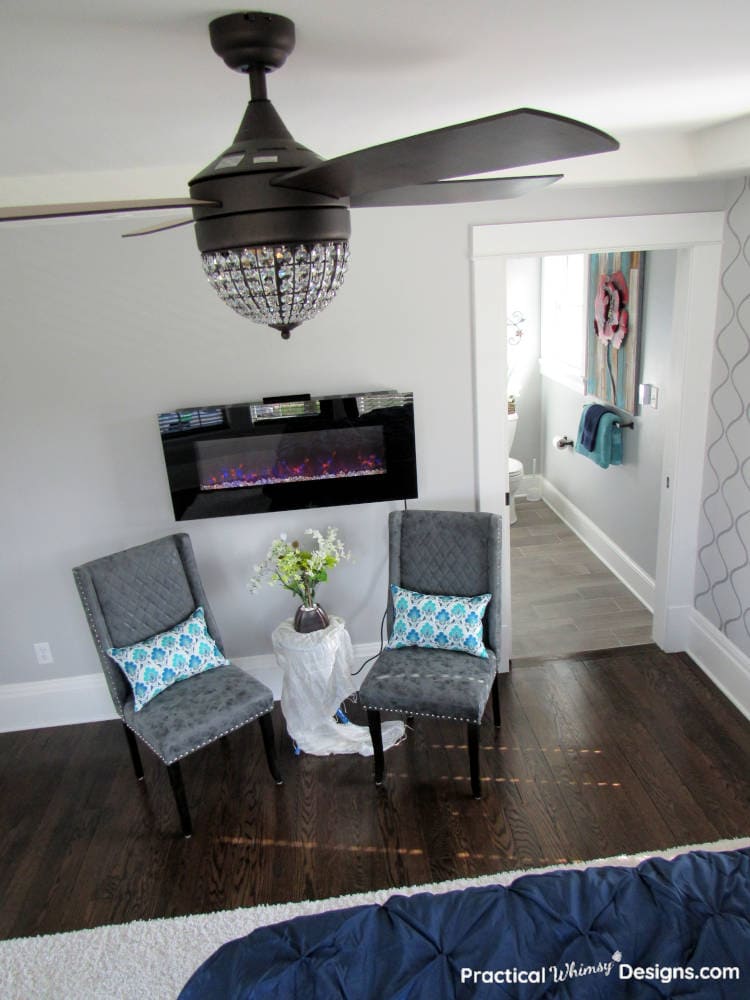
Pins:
x: 272, y: 218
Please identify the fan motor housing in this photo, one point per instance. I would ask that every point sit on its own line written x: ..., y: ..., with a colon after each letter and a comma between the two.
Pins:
x: 236, y: 226
x: 254, y: 212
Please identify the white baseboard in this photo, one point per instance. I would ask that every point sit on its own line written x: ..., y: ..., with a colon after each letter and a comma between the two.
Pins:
x: 726, y: 665
x: 672, y: 633
x: 634, y: 578
x: 266, y: 669
x: 40, y: 704
x: 85, y: 698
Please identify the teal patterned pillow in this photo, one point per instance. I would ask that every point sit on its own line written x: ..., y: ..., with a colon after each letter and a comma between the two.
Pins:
x: 435, y: 622
x: 155, y: 664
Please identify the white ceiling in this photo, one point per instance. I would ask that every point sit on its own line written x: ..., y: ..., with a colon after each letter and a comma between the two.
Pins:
x: 106, y: 99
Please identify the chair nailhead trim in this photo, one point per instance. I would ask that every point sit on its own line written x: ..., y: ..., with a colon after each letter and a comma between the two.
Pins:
x: 426, y: 715
x: 198, y: 746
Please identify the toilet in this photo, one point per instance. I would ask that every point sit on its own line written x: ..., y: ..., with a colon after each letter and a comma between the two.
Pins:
x: 515, y: 468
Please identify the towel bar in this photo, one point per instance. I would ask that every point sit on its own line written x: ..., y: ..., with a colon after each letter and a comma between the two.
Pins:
x: 617, y: 423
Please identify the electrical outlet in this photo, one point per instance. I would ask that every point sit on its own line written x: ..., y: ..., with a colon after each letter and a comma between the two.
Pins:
x: 43, y: 652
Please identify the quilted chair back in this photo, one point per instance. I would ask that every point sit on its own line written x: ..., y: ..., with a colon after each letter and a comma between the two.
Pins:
x: 134, y: 594
x: 447, y: 552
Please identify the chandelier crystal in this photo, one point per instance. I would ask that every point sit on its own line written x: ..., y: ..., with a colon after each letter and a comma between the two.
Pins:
x: 278, y: 285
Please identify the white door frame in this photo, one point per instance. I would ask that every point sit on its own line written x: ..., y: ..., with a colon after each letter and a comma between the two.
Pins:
x: 685, y: 397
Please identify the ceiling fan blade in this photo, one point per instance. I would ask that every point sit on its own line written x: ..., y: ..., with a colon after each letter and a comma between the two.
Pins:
x: 160, y: 228
x: 454, y: 192
x: 22, y: 212
x: 511, y: 139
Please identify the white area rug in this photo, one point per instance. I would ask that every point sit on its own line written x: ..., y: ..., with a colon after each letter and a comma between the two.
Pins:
x: 154, y: 958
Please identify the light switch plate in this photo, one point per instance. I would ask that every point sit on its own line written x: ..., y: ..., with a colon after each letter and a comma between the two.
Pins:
x: 648, y: 395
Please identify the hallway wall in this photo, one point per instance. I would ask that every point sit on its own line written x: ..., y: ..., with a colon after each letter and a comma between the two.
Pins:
x: 723, y: 570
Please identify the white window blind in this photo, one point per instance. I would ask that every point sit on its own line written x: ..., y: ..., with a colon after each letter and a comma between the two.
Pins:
x: 563, y: 319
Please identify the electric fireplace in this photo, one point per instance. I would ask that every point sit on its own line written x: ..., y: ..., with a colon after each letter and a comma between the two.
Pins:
x: 288, y: 453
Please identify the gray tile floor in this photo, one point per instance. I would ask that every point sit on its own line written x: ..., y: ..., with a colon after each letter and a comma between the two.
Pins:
x: 564, y: 599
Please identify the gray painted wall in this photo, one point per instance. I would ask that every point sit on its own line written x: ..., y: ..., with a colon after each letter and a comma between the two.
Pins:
x: 100, y: 334
x: 723, y: 571
x: 623, y: 501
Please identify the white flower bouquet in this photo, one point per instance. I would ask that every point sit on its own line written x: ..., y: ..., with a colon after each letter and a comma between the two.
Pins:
x: 300, y: 570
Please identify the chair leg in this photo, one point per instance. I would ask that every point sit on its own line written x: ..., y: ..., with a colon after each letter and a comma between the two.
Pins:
x: 473, y: 729
x: 175, y: 779
x: 373, y: 721
x: 496, y: 702
x: 266, y: 727
x: 134, y: 752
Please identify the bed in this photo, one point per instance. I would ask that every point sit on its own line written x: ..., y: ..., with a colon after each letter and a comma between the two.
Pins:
x: 666, y: 928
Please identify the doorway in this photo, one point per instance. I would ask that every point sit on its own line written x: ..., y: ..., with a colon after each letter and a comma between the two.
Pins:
x: 697, y: 238
x: 566, y: 599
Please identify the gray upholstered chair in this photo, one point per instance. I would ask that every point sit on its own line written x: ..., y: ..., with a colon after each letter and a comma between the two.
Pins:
x: 145, y: 590
x: 451, y: 554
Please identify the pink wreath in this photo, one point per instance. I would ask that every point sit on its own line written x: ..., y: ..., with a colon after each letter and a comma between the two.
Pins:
x: 610, y: 314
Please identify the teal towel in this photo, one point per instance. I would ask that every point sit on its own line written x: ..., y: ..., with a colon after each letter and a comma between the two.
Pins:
x: 607, y: 448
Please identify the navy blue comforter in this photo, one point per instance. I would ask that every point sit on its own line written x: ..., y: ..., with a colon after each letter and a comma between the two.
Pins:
x: 676, y: 928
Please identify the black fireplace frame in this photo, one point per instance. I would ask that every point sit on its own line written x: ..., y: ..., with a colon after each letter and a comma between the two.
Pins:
x: 182, y: 432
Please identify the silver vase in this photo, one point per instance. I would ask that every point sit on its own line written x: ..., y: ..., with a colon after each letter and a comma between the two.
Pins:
x: 310, y: 619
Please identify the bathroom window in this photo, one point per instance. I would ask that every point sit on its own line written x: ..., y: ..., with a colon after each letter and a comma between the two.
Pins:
x: 563, y: 319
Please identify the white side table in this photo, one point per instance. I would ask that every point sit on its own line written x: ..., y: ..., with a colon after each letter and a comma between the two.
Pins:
x: 317, y: 678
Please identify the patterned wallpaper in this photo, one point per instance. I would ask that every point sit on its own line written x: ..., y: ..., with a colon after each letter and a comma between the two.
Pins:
x: 723, y: 572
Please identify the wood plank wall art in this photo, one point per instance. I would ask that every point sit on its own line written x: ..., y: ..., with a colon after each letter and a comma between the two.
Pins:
x: 613, y: 327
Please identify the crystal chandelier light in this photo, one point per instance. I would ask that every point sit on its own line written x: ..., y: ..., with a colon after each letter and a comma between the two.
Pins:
x: 280, y: 285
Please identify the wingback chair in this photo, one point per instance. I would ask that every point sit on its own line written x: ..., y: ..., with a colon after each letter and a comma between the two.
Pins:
x: 437, y: 554
x: 139, y: 593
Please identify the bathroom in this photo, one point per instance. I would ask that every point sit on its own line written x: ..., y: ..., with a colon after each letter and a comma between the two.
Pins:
x: 584, y: 539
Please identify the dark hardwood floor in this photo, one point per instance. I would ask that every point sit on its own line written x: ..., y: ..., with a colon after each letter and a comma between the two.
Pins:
x: 599, y: 754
